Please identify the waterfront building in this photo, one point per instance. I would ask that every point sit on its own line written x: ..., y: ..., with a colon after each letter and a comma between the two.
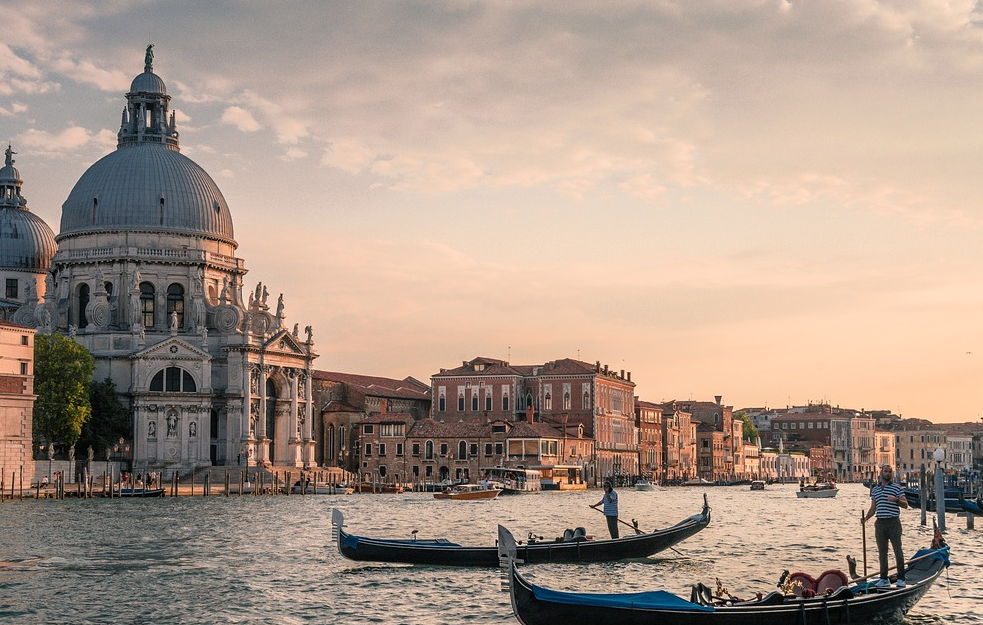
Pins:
x: 884, y: 448
x: 343, y: 400
x: 710, y: 453
x: 28, y: 245
x: 562, y: 393
x: 147, y: 279
x: 721, y: 418
x: 959, y: 451
x: 752, y: 460
x: 915, y: 443
x: 678, y: 443
x: 648, y: 420
x: 821, y: 461
x: 396, y: 448
x: 16, y: 404
x: 852, y: 443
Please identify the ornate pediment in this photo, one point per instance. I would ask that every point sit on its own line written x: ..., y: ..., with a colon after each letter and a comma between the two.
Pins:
x: 172, y: 348
x: 285, y: 343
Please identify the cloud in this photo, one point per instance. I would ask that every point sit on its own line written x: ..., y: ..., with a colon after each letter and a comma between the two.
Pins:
x: 18, y: 75
x: 68, y: 141
x: 293, y: 154
x: 348, y: 154
x: 241, y: 119
x: 87, y: 72
x: 288, y: 128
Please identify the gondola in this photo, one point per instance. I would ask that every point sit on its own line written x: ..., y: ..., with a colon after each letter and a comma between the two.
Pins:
x: 974, y: 507
x: 574, y: 547
x: 138, y: 492
x: 952, y: 504
x: 858, y: 605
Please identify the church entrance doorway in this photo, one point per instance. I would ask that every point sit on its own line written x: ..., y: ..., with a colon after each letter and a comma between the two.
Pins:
x: 271, y: 417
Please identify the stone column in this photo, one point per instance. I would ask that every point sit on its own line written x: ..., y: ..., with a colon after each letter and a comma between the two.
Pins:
x: 263, y: 448
x: 245, y: 436
x: 294, y: 441
x: 308, y: 433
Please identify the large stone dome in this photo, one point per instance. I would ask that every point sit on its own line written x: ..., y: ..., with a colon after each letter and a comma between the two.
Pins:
x: 26, y: 242
x: 146, y: 187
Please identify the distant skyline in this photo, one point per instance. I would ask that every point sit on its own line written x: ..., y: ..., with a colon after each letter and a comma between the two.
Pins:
x: 773, y: 201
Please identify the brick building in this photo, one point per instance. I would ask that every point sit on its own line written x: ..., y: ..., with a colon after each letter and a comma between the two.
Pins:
x: 16, y: 403
x: 648, y: 420
x: 562, y: 393
x: 344, y: 400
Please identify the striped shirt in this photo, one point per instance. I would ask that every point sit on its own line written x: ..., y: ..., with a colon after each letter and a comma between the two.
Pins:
x: 886, y: 509
x: 610, y: 503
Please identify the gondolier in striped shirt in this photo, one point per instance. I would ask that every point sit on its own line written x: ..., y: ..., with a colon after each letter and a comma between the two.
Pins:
x: 886, y: 500
x: 610, y: 501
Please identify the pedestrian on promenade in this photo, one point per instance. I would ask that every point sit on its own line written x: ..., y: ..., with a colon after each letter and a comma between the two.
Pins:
x: 610, y: 503
x: 886, y: 500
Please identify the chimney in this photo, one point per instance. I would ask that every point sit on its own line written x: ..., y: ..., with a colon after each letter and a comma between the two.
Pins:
x: 622, y: 374
x: 529, y: 414
x: 718, y: 398
x: 629, y: 376
x: 383, y: 407
x: 605, y: 369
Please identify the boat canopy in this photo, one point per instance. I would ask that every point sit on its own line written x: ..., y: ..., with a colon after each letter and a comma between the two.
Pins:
x: 652, y: 600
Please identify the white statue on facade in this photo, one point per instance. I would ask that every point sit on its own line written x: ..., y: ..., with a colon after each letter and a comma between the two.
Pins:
x: 279, y: 307
x: 173, y: 321
x: 72, y: 330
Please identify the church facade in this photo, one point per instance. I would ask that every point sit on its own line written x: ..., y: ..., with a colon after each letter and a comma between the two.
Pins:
x: 146, y: 277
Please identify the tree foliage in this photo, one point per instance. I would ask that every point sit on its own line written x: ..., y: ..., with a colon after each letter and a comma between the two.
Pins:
x: 62, y: 371
x: 110, y: 419
x: 750, y: 431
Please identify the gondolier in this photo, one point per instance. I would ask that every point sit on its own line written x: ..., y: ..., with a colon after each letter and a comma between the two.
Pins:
x: 886, y: 500
x: 610, y: 502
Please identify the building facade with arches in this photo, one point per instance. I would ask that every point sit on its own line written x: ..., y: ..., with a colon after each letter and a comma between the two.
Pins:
x: 146, y: 277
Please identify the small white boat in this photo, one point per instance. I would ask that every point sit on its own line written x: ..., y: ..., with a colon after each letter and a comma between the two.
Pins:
x: 817, y: 491
x: 758, y: 485
x: 644, y: 485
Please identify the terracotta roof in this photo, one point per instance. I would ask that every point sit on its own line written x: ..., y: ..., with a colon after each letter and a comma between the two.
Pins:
x: 429, y: 428
x: 16, y: 326
x: 492, y: 368
x: 340, y: 406
x: 524, y: 429
x: 648, y: 404
x: 388, y: 417
x: 407, y: 388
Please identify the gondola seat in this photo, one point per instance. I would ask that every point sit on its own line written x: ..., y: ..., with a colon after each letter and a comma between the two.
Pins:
x: 830, y: 581
x: 772, y: 598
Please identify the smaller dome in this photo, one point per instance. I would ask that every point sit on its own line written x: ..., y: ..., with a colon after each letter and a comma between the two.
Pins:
x: 26, y: 242
x: 148, y: 82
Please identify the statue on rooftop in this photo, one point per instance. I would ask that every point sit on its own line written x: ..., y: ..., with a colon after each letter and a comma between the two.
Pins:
x: 148, y: 59
x: 9, y: 161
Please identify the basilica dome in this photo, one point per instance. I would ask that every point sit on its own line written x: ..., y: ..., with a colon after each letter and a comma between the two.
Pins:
x: 26, y: 242
x: 147, y: 185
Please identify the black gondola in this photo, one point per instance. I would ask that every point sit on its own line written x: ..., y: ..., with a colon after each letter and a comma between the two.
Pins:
x: 575, y: 549
x: 952, y: 501
x: 857, y: 605
x: 139, y: 492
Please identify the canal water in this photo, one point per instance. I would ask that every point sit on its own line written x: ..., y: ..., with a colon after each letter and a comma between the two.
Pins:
x: 258, y: 560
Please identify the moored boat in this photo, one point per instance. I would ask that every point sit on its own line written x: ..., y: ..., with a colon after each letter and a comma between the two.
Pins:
x: 758, y: 485
x: 973, y: 507
x: 138, y: 492
x: 817, y: 491
x: 858, y: 604
x: 574, y: 546
x: 468, y: 492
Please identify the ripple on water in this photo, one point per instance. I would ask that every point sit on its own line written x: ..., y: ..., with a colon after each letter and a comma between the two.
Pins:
x: 271, y: 560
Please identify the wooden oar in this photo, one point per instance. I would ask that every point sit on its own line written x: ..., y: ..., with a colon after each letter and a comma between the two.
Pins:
x: 863, y: 525
x: 634, y: 526
x: 852, y: 562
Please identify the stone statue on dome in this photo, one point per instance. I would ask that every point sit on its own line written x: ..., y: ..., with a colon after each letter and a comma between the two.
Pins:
x: 9, y: 161
x: 148, y: 59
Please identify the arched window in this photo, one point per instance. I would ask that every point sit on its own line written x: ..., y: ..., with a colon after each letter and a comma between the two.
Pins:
x: 329, y: 442
x: 175, y: 304
x: 83, y: 302
x: 442, y: 404
x: 474, y: 401
x: 586, y: 403
x: 173, y: 380
x: 505, y: 403
x: 488, y: 400
x: 462, y: 451
x: 429, y: 450
x: 548, y: 402
x: 566, y: 401
x: 341, y: 441
x: 528, y: 400
x: 147, y: 295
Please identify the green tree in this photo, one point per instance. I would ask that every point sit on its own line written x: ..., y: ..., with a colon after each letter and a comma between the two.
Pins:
x: 62, y: 371
x: 110, y: 419
x: 750, y: 431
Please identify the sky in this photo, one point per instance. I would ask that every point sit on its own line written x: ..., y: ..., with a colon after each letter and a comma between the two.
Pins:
x: 773, y: 201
